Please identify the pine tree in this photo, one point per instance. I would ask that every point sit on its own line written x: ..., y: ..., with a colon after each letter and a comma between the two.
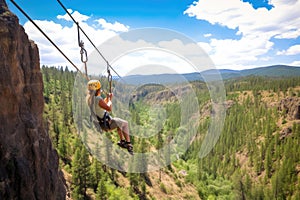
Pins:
x: 101, y: 190
x: 76, y: 176
x: 159, y: 145
x: 142, y: 165
x: 85, y: 172
x: 133, y: 177
x: 239, y: 185
x: 80, y: 173
x: 268, y: 162
x: 248, y: 186
x: 96, y: 171
x: 62, y: 146
x: 277, y: 184
x: 144, y: 190
x: 167, y: 153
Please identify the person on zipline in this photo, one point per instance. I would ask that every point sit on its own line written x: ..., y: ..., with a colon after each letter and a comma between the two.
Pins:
x: 99, y: 110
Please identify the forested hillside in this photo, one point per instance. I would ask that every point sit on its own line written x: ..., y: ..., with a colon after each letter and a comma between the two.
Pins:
x: 256, y: 157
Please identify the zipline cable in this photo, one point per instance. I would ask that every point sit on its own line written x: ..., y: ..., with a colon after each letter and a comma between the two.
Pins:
x: 109, y: 66
x: 29, y: 18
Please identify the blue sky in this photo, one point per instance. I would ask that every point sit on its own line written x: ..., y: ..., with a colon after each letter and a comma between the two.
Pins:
x: 236, y: 34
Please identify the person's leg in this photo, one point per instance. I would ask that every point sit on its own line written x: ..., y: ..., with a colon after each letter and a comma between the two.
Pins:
x: 122, y: 127
x: 122, y: 142
x: 123, y: 132
x: 120, y: 134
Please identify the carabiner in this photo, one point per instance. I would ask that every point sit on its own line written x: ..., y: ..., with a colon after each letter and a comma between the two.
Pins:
x: 83, y: 52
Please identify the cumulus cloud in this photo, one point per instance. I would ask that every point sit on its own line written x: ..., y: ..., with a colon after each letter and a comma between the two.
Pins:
x: 256, y: 27
x: 66, y: 38
x: 207, y: 35
x: 76, y: 15
x: 206, y: 47
x: 116, y: 26
x: 293, y: 50
x: 152, y: 61
x: 169, y: 56
x: 295, y: 63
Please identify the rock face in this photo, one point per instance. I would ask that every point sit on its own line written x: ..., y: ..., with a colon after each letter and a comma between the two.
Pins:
x: 291, y: 107
x: 28, y: 163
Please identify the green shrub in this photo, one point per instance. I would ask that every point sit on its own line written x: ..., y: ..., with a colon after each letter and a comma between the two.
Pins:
x: 163, y: 188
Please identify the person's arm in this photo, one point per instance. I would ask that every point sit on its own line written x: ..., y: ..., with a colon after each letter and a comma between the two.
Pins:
x: 106, y: 104
x: 108, y: 97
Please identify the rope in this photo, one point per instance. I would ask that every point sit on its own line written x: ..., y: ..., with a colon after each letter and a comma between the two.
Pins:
x: 109, y: 78
x: 109, y: 66
x: 27, y: 16
x: 83, y: 52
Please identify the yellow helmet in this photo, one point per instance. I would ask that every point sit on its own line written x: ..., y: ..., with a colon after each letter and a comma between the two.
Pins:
x: 94, y: 85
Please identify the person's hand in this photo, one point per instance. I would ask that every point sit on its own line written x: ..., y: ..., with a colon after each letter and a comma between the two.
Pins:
x: 110, y: 95
x: 109, y: 103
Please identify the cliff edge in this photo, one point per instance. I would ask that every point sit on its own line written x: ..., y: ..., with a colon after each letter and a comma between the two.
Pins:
x: 28, y: 163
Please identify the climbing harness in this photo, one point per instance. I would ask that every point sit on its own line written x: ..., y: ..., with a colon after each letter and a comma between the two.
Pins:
x: 101, y: 124
x: 104, y: 122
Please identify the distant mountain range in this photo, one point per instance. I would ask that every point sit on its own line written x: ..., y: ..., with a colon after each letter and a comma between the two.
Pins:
x: 269, y: 71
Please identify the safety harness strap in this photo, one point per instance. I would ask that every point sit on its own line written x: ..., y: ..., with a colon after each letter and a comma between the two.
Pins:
x: 104, y: 122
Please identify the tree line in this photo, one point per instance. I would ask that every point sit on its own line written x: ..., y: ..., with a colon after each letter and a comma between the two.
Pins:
x: 251, y: 159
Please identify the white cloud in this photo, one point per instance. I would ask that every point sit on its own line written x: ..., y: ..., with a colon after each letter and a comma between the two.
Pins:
x: 65, y: 37
x: 295, y: 63
x: 242, y: 51
x: 152, y: 61
x: 290, y: 34
x: 255, y: 26
x: 266, y: 58
x: 131, y: 57
x: 207, y: 35
x: 293, y: 50
x: 76, y: 15
x: 116, y: 26
x: 206, y: 47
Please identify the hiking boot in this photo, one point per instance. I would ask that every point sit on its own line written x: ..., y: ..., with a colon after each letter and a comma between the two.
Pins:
x: 130, y: 148
x: 123, y: 144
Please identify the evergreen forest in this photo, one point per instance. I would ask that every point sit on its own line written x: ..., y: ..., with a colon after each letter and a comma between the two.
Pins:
x: 257, y: 155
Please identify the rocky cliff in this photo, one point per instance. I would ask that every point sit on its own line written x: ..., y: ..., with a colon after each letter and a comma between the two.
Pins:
x: 290, y: 107
x: 28, y: 163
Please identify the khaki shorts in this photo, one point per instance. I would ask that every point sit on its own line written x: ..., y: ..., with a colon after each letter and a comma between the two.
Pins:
x: 117, y: 123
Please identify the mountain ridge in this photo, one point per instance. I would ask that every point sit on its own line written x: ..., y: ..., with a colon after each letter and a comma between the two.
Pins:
x: 275, y: 71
